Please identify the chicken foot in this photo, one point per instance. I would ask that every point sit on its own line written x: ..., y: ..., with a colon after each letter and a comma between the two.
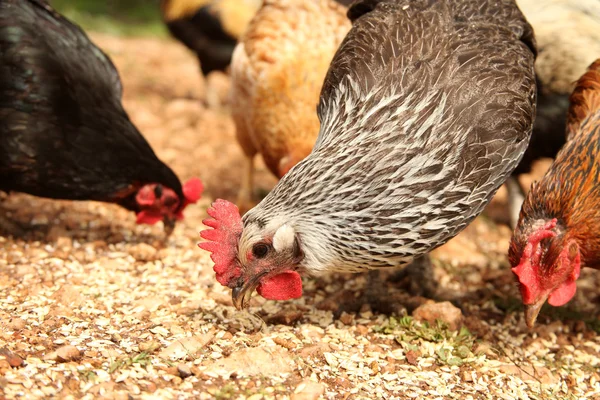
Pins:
x: 420, y: 278
x: 419, y: 275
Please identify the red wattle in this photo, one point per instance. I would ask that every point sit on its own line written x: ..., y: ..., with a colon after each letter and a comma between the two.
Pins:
x: 285, y: 286
x: 148, y: 217
x: 563, y: 294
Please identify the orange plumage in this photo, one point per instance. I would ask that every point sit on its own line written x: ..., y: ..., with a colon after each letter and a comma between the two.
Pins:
x: 585, y: 99
x: 277, y: 72
x: 546, y: 256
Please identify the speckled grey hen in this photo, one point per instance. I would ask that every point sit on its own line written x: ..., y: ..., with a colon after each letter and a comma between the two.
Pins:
x: 426, y: 109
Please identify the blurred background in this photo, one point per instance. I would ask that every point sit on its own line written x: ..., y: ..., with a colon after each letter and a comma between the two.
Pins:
x: 117, y: 17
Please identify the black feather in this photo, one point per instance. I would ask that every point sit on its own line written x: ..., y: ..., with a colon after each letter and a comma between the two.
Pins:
x: 203, y: 33
x: 63, y: 131
x: 360, y: 8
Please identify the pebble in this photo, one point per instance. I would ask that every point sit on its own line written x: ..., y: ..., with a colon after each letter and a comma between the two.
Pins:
x: 308, y: 390
x: 16, y: 324
x: 143, y: 252
x: 285, y: 317
x: 4, y: 364
x: 444, y: 311
x: 347, y: 319
x: 184, y: 347
x: 64, y: 354
x: 412, y: 357
x: 11, y: 358
x: 184, y: 370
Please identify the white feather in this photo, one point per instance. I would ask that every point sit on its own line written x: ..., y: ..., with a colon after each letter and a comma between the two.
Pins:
x: 284, y: 238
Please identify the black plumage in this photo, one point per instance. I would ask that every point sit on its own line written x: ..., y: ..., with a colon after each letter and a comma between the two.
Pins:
x: 211, y: 28
x: 63, y: 131
x: 202, y: 32
x: 549, y: 128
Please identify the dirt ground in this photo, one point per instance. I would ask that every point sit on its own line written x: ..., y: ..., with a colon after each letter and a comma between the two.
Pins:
x: 93, y: 306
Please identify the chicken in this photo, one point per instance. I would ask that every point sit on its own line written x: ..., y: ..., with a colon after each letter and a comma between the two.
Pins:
x: 568, y: 37
x: 426, y: 109
x: 210, y: 28
x: 64, y: 133
x: 562, y: 59
x: 277, y: 71
x: 557, y: 230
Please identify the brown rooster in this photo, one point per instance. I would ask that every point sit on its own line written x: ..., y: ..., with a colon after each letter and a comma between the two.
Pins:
x: 277, y: 71
x: 557, y: 232
x: 561, y: 60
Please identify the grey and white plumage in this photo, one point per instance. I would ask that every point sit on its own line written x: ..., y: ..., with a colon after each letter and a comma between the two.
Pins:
x: 426, y: 109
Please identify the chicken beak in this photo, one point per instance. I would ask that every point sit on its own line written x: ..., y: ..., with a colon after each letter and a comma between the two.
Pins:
x: 532, y: 311
x: 240, y: 295
x: 169, y: 226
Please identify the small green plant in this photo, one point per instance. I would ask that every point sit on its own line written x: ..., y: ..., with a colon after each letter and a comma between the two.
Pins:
x: 263, y: 387
x: 228, y: 391
x: 407, y: 332
x: 143, y: 359
x: 87, y: 375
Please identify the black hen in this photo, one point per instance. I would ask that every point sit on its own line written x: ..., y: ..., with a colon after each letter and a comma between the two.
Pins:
x: 210, y: 28
x: 63, y: 131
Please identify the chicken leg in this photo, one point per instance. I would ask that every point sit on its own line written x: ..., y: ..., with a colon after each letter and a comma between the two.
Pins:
x: 420, y: 283
x: 245, y: 195
x: 516, y: 196
x: 420, y: 277
x: 377, y: 294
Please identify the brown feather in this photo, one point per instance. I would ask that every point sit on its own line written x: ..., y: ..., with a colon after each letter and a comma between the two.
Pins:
x: 570, y: 190
x: 585, y: 99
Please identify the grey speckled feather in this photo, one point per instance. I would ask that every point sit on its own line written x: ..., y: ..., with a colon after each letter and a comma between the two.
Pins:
x: 426, y: 109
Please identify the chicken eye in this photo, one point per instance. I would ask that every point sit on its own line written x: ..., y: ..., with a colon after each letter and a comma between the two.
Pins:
x: 260, y: 250
x: 158, y: 191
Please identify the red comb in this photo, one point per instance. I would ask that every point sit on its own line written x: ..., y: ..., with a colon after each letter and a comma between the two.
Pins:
x: 192, y: 190
x: 226, y: 224
x: 528, y: 269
